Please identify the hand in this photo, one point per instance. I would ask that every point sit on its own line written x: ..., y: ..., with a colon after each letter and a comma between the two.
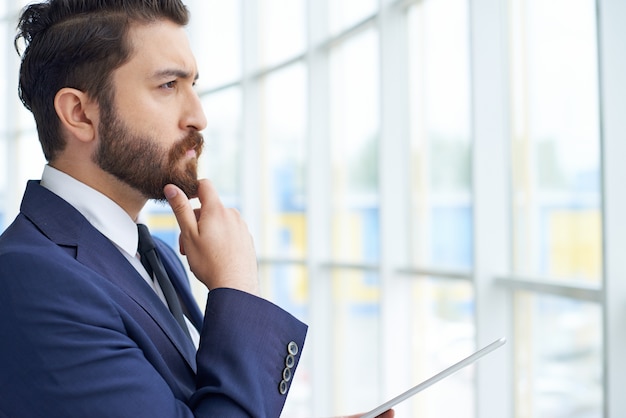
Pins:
x: 215, y: 240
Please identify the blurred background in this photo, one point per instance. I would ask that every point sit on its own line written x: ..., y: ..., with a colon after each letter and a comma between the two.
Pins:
x: 421, y: 177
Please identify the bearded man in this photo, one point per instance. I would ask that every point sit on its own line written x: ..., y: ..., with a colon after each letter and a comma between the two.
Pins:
x: 96, y: 316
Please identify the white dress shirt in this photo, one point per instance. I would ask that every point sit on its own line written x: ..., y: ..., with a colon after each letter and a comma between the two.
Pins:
x: 107, y: 217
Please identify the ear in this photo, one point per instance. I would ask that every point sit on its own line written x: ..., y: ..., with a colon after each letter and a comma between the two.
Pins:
x: 77, y: 113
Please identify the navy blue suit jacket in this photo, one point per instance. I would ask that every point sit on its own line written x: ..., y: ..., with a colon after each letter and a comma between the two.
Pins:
x: 83, y: 335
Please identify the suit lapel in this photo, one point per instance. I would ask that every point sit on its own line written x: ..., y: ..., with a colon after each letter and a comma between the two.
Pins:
x: 103, y: 257
x: 66, y: 226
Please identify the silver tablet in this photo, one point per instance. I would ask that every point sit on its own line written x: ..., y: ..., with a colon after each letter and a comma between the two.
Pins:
x: 439, y: 376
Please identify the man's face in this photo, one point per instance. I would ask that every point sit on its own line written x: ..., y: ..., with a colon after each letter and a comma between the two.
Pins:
x: 142, y: 163
x: 149, y: 135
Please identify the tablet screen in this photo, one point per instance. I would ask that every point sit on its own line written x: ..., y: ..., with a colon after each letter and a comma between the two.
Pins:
x: 434, y: 379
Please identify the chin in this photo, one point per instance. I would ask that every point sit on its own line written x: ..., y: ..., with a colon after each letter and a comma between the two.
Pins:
x: 189, y: 187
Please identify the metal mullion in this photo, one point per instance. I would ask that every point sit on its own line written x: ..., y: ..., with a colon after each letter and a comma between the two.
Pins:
x: 263, y: 72
x: 338, y: 265
x: 570, y: 290
x: 320, y: 340
x: 14, y: 132
x: 395, y: 341
x: 281, y: 261
x: 612, y: 75
x: 250, y: 149
x: 437, y: 273
x: 355, y: 29
x: 403, y: 4
x: 491, y: 210
x: 220, y: 88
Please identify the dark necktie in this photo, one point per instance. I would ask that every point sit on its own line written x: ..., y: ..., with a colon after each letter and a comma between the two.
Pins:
x: 152, y: 263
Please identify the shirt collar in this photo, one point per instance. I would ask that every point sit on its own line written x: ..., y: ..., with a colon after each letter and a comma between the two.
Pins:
x: 103, y: 213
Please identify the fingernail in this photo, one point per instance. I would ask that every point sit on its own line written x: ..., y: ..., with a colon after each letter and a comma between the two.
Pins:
x: 170, y: 192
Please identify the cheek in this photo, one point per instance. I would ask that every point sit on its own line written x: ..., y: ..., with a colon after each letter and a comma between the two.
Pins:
x: 143, y: 113
x: 162, y: 131
x: 150, y: 118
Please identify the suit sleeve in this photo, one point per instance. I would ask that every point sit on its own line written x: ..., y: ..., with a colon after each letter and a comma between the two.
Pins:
x: 69, y: 350
x: 231, y: 374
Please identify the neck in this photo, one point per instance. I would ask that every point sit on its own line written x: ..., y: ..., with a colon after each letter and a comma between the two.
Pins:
x: 128, y: 198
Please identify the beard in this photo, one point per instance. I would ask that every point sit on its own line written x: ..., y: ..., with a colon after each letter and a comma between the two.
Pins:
x: 140, y: 162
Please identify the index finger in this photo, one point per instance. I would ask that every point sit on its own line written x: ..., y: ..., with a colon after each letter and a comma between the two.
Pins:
x: 179, y: 202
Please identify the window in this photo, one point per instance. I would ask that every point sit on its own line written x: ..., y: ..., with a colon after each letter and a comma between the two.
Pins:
x: 281, y: 31
x: 344, y: 14
x: 556, y: 205
x: 440, y: 198
x: 419, y: 176
x: 283, y: 121
x: 354, y: 148
x: 21, y: 158
x: 218, y: 25
x: 221, y: 157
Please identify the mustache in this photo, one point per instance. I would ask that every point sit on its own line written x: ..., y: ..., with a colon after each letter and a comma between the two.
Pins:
x: 194, y: 140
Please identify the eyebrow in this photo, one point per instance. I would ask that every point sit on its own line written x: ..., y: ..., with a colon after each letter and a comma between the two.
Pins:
x: 173, y: 72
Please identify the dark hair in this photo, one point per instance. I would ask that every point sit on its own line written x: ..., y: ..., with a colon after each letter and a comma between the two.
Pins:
x: 78, y: 44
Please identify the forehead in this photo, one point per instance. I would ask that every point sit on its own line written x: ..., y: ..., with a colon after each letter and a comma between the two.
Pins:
x: 156, y: 47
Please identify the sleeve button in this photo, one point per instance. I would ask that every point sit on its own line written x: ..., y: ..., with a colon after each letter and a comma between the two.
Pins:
x: 290, y: 361
x: 287, y: 374
x: 292, y: 348
x: 282, y: 388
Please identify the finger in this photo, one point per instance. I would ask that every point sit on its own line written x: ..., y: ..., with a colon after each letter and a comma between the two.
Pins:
x: 207, y: 195
x: 182, y: 209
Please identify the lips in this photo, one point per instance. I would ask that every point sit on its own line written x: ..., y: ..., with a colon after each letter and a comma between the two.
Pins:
x: 189, y: 147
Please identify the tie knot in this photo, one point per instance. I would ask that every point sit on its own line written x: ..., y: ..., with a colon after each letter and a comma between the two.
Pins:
x: 146, y: 243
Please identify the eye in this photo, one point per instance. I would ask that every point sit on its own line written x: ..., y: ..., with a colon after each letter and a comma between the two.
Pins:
x: 169, y: 85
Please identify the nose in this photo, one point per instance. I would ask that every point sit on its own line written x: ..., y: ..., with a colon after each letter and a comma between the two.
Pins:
x: 194, y: 114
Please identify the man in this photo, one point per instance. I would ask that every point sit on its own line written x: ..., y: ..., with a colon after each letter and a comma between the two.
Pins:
x: 97, y: 319
x: 86, y: 330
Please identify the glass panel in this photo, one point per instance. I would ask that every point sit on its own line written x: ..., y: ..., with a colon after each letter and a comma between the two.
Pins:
x: 282, y: 30
x: 442, y: 314
x: 21, y: 4
x: 283, y: 162
x: 356, y: 324
x: 29, y: 156
x: 24, y: 122
x: 7, y: 92
x: 354, y: 115
x: 345, y: 13
x: 21, y: 158
x: 558, y: 357
x: 441, y: 233
x: 288, y: 287
x: 220, y: 161
x: 441, y: 202
x: 215, y: 34
x: 556, y: 145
